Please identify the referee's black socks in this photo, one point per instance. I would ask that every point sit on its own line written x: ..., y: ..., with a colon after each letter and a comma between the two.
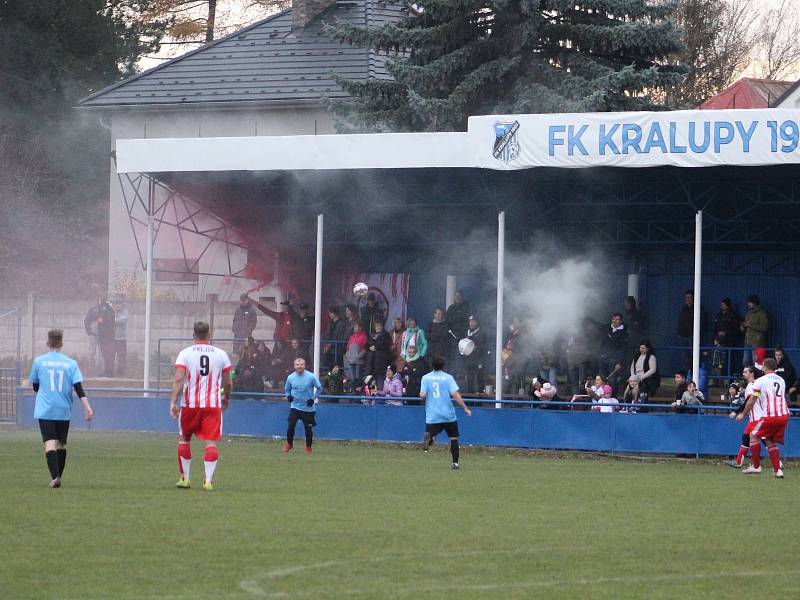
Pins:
x: 62, y: 460
x: 52, y: 463
x: 454, y: 450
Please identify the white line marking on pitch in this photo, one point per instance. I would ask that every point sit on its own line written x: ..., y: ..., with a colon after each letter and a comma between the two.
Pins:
x: 251, y: 585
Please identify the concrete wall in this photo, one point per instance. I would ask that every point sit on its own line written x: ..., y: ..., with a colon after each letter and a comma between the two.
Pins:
x: 124, y: 258
x: 170, y: 320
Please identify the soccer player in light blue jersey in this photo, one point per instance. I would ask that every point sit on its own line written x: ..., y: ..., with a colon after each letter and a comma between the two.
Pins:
x: 439, y: 390
x: 302, y: 390
x: 53, y: 377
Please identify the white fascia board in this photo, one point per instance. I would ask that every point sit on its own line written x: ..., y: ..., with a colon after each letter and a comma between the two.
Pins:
x: 298, y: 152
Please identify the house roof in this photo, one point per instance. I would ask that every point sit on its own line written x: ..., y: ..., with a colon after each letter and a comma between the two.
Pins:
x: 265, y: 62
x: 748, y: 93
x: 788, y: 92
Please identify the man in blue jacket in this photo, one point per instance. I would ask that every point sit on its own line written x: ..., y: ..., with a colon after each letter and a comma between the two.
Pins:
x: 302, y: 390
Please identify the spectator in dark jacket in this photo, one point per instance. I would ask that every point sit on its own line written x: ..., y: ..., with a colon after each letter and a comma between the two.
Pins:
x: 475, y: 362
x: 726, y: 325
x: 437, y: 335
x: 379, y: 353
x: 371, y: 313
x: 686, y: 325
x: 105, y: 325
x: 263, y: 361
x: 635, y: 322
x: 335, y: 339
x: 613, y: 351
x: 304, y: 327
x: 351, y: 317
x: 727, y: 334
x: 787, y: 372
x: 249, y: 376
x: 457, y: 317
x: 245, y: 320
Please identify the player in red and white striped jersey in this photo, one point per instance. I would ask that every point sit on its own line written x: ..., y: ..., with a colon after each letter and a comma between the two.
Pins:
x: 201, y: 371
x: 770, y: 415
x: 749, y: 374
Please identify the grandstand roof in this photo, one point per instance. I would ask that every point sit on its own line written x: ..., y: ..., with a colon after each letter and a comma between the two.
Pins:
x: 748, y: 93
x: 267, y: 62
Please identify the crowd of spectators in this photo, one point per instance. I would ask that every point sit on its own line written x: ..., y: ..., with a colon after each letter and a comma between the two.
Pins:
x: 602, y: 363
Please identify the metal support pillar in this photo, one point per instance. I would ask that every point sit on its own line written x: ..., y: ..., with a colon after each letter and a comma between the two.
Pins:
x: 318, y: 296
x: 698, y: 258
x: 498, y: 354
x: 148, y: 298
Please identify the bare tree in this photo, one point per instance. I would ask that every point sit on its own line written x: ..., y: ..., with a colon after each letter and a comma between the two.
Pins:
x: 719, y: 41
x: 778, y: 41
x: 200, y: 21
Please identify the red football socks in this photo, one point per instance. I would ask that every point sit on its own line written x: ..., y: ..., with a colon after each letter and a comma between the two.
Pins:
x: 755, y: 454
x: 741, y: 455
x: 212, y: 454
x: 184, y: 458
x: 775, y: 457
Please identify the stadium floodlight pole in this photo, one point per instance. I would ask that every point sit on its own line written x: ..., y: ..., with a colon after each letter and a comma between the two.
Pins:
x: 698, y: 258
x: 148, y: 295
x: 318, y: 295
x: 498, y: 354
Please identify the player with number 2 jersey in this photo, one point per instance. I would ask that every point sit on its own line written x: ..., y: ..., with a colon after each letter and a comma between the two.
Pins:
x: 769, y: 415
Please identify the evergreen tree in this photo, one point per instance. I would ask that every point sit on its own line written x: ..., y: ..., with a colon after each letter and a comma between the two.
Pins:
x: 455, y: 58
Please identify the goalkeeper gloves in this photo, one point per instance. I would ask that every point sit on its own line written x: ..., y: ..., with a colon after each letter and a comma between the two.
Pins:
x: 310, y: 403
x: 290, y: 399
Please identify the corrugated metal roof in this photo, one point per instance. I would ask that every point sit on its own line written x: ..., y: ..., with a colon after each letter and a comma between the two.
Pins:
x: 748, y: 93
x: 265, y: 62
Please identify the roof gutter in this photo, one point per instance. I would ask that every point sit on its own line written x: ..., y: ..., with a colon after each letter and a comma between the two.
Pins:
x: 233, y: 105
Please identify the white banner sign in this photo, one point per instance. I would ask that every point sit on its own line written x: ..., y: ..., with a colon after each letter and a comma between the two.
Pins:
x: 691, y: 138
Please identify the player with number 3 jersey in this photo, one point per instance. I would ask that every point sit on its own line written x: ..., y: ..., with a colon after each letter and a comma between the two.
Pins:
x: 439, y: 390
x: 202, y: 371
x: 769, y: 415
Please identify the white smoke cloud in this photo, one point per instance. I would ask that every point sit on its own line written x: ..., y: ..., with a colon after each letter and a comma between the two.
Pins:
x: 552, y: 294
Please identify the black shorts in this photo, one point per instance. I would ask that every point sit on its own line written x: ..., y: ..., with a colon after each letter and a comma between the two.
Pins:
x: 450, y: 428
x: 306, y: 416
x: 54, y: 430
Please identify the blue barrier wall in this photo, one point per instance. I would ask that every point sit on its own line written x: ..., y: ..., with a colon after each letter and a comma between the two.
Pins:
x: 522, y: 428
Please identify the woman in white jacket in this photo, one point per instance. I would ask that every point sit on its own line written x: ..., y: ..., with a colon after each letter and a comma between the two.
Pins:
x: 644, y: 367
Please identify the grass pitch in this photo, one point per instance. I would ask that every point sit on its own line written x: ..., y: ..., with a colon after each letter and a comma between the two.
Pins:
x: 378, y: 522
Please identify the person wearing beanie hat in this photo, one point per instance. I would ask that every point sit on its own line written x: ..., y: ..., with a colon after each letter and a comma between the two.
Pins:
x: 727, y: 334
x: 759, y: 355
x: 755, y: 327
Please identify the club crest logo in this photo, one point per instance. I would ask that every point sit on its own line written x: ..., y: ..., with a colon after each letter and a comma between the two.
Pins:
x: 506, y: 142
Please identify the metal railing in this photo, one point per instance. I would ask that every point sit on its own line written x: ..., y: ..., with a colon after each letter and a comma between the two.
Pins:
x: 10, y: 377
x: 722, y: 364
x: 229, y: 344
